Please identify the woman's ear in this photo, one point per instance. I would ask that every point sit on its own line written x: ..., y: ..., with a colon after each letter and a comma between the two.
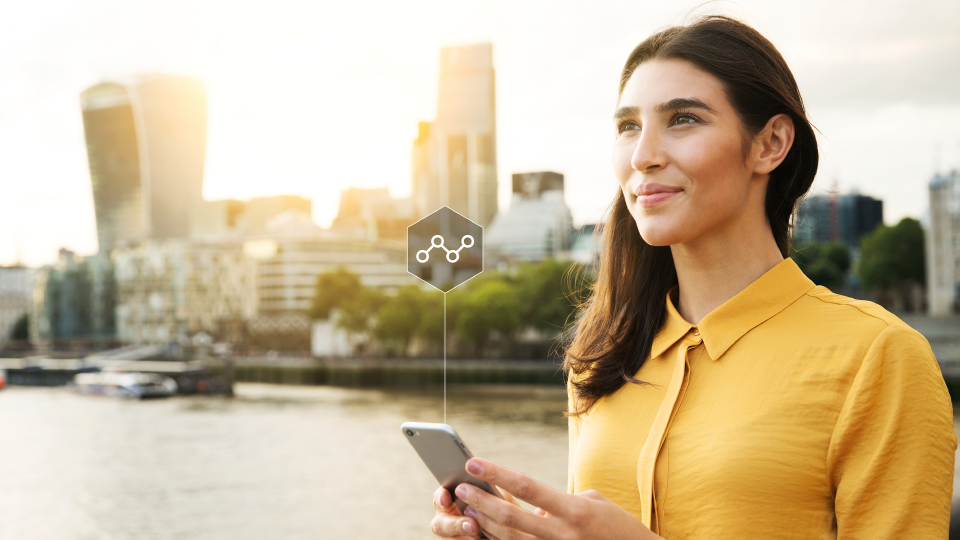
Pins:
x: 773, y: 143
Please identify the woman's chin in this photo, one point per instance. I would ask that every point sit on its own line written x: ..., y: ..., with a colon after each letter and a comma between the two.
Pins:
x: 660, y: 237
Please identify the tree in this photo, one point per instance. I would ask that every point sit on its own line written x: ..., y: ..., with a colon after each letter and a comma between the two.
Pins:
x: 545, y: 290
x: 824, y: 263
x: 358, y: 313
x: 21, y: 329
x: 399, y: 317
x: 334, y: 288
x: 490, y: 305
x: 893, y: 257
x: 430, y: 323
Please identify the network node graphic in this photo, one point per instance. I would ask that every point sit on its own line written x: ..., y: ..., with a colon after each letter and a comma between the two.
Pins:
x: 431, y: 236
x: 453, y: 255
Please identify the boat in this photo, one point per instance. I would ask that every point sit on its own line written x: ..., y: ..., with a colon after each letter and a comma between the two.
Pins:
x: 3, y: 378
x: 131, y: 385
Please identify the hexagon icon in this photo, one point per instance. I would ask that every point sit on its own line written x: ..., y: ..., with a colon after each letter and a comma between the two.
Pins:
x: 445, y: 249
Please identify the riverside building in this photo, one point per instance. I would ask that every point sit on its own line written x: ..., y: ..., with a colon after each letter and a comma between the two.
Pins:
x: 294, y: 251
x: 168, y: 290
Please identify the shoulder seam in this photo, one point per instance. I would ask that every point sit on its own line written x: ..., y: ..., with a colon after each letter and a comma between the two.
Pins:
x: 852, y: 305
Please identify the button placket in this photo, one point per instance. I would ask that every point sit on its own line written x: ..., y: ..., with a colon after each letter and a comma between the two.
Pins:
x: 646, y: 465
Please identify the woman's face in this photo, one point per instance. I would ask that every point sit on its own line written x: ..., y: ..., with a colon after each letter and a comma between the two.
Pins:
x: 679, y: 154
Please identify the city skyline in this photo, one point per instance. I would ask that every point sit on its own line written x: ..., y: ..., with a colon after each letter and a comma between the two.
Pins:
x: 291, y: 104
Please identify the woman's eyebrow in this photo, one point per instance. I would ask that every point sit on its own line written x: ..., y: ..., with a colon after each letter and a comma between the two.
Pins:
x: 684, y: 103
x: 672, y: 105
x: 626, y: 112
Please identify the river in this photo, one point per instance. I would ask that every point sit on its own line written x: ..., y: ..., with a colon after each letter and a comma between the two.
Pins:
x: 276, y: 462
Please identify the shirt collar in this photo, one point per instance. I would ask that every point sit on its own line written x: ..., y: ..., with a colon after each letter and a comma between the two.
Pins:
x: 770, y: 294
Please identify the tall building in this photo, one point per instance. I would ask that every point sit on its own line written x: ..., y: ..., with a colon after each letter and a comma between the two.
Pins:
x: 74, y: 302
x: 857, y: 215
x: 146, y: 141
x: 455, y: 157
x: 943, y: 245
x: 846, y: 218
x: 538, y: 223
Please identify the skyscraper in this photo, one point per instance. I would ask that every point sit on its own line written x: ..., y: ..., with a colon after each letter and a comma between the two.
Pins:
x: 455, y: 157
x: 943, y: 245
x: 858, y: 215
x: 146, y: 140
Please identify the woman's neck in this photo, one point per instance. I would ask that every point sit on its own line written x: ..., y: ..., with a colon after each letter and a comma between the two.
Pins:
x: 714, y: 268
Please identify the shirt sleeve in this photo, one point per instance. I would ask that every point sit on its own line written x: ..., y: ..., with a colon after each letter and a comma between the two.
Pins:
x: 890, y: 462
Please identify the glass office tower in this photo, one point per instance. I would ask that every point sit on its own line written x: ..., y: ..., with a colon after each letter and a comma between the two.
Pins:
x: 146, y: 142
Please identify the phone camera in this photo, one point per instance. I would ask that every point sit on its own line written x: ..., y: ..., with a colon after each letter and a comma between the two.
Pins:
x: 409, y: 432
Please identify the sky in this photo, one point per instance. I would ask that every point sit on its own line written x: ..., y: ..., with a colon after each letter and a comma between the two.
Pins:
x: 312, y: 97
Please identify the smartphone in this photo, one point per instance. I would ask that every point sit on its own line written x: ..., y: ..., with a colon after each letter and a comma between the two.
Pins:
x: 444, y: 453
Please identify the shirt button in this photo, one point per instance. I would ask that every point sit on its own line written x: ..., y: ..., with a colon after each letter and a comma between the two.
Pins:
x: 697, y: 333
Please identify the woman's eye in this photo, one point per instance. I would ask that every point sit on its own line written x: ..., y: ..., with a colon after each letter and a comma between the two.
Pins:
x: 685, y: 119
x: 627, y: 126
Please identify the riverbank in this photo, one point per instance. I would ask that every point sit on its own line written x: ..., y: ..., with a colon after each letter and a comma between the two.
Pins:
x: 387, y: 373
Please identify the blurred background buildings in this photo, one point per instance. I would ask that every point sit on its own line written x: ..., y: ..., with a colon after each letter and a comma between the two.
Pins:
x: 538, y: 223
x: 173, y: 268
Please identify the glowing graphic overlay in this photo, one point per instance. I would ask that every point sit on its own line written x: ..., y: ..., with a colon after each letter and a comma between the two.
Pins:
x: 457, y: 240
x: 453, y: 255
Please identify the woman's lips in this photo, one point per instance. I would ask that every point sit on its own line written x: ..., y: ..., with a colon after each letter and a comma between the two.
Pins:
x: 652, y: 194
x: 656, y: 198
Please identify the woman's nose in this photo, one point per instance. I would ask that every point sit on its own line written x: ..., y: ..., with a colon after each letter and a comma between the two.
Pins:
x: 647, y: 155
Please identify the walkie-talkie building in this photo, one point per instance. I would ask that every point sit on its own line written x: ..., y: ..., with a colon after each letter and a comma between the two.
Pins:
x: 455, y: 157
x: 146, y: 141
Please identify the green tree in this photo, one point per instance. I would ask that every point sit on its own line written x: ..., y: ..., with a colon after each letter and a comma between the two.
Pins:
x: 825, y: 264
x: 893, y: 257
x: 491, y: 305
x: 334, y: 288
x: 430, y: 323
x: 21, y: 329
x: 358, y: 313
x: 399, y: 317
x: 549, y: 290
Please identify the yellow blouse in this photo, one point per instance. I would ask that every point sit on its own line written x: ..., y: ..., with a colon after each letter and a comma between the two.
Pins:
x: 788, y: 412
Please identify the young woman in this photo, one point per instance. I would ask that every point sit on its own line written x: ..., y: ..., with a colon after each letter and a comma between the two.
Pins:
x: 715, y: 391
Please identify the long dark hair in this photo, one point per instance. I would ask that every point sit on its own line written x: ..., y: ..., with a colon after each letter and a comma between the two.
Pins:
x: 614, y: 331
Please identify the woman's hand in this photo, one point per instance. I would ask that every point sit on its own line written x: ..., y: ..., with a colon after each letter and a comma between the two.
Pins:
x: 559, y: 516
x: 449, y: 522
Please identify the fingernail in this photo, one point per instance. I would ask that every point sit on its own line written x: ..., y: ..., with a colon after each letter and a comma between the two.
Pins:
x: 474, y: 467
x: 462, y: 491
x: 468, y: 527
x: 470, y: 512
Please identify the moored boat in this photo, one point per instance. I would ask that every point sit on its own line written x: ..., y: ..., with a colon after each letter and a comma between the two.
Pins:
x: 133, y: 385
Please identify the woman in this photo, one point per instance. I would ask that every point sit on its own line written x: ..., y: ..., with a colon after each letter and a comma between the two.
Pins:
x: 715, y: 391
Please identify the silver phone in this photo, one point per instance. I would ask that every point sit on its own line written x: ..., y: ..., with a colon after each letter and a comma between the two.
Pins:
x: 443, y: 452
